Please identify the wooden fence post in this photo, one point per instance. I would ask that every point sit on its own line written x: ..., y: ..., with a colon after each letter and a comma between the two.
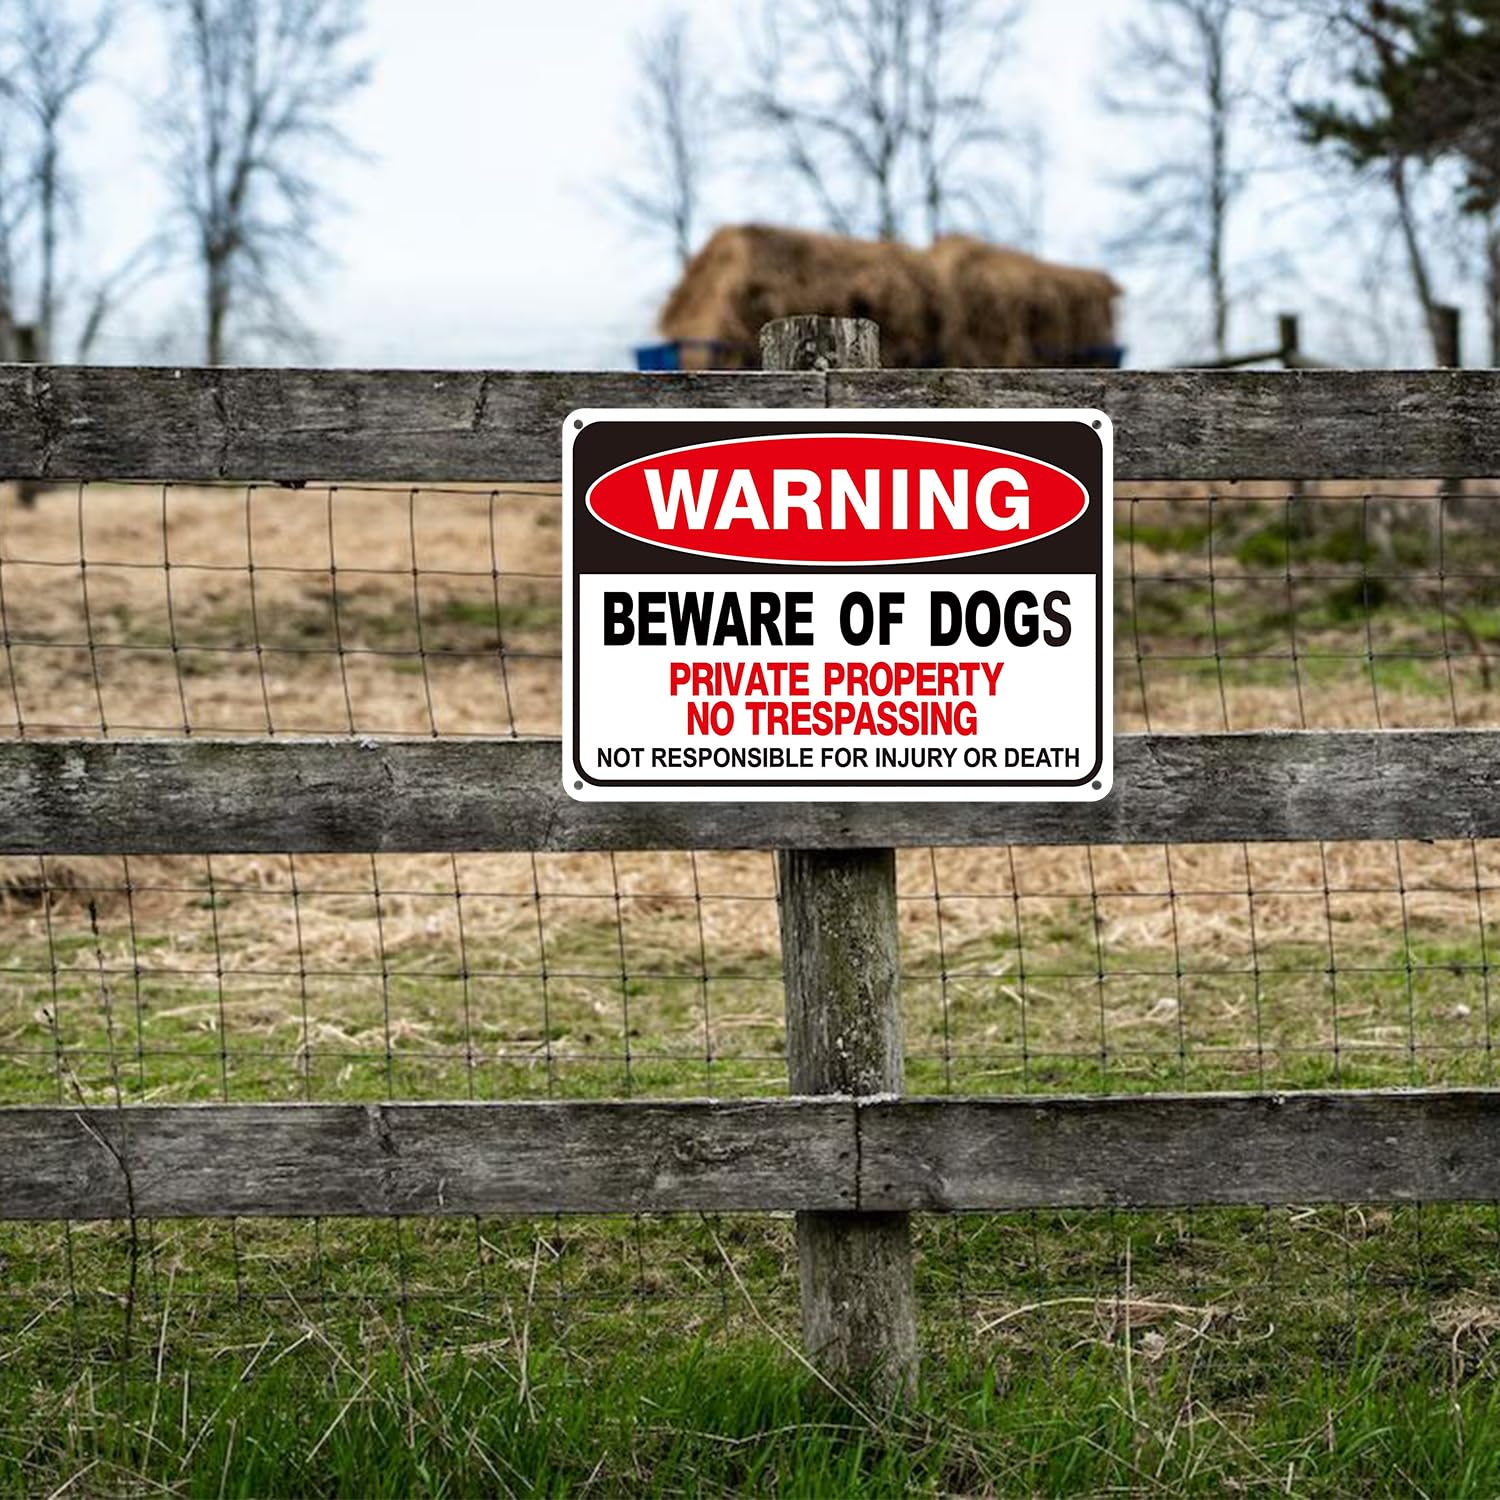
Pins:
x: 25, y: 347
x: 1289, y: 338
x: 843, y: 1017
x: 1445, y: 336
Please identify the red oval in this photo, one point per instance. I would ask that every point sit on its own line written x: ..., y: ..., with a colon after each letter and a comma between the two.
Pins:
x: 712, y: 498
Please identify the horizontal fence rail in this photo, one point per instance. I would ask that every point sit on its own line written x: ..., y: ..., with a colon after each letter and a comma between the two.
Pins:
x: 66, y: 422
x: 291, y: 1160
x: 333, y: 796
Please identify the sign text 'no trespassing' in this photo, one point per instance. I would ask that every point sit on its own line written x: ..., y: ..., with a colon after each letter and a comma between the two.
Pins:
x: 837, y: 605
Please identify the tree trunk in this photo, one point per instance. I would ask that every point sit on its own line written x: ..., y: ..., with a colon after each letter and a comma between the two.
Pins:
x: 1492, y: 288
x: 217, y: 316
x: 47, y: 295
x: 1218, y: 189
x: 1415, y: 256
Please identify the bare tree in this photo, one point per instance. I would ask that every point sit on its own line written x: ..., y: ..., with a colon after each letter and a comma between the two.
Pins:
x: 57, y: 53
x: 878, y: 108
x: 962, y: 43
x: 252, y: 113
x: 673, y: 124
x: 1184, y: 66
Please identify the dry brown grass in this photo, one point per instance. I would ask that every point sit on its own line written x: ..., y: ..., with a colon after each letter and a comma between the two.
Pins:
x: 369, y: 611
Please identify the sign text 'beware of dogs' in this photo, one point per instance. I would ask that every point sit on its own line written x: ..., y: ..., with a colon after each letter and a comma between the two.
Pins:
x: 837, y: 605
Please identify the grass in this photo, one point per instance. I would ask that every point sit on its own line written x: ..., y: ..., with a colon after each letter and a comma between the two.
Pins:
x: 1088, y: 1405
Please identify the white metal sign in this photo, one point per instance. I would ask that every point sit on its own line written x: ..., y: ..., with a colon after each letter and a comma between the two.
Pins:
x: 837, y: 605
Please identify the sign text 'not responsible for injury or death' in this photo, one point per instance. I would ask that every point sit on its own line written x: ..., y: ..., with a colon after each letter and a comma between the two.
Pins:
x: 841, y: 605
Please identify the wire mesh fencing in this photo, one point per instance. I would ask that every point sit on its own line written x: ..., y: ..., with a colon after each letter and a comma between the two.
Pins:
x: 248, y: 610
x: 385, y: 611
x: 368, y: 610
x: 250, y: 978
x: 251, y: 610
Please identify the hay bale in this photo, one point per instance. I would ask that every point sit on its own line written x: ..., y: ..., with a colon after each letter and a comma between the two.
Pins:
x: 963, y: 303
x: 1004, y: 308
x: 746, y: 275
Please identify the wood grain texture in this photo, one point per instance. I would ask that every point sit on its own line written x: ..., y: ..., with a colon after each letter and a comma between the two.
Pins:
x: 1239, y: 424
x: 80, y: 422
x: 820, y: 343
x: 914, y: 1155
x: 331, y: 796
x: 1350, y: 1147
x: 857, y: 1279
x: 839, y: 943
x: 387, y: 1159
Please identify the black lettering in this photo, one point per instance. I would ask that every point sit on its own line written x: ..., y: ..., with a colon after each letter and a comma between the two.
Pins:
x: 1064, y: 631
x: 731, y: 622
x: 856, y: 618
x: 619, y: 629
x: 764, y: 612
x: 947, y: 619
x: 704, y: 617
x: 984, y: 635
x: 690, y: 616
x: 799, y: 620
x: 1026, y: 632
x: 653, y: 619
x: 890, y: 615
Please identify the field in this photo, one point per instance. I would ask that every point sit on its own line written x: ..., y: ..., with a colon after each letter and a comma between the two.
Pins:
x: 1311, y: 1350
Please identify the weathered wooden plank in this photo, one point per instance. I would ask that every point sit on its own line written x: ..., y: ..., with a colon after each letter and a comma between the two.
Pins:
x: 1239, y: 424
x: 330, y: 796
x: 80, y: 422
x: 383, y: 1159
x: 913, y: 1155
x: 1347, y: 1147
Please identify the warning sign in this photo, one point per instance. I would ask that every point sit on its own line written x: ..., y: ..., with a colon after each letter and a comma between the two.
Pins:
x: 840, y: 605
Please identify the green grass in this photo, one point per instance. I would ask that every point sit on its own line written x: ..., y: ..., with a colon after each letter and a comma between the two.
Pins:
x: 509, y: 616
x: 1188, y: 535
x: 1237, y: 604
x: 983, y: 1014
x: 697, y: 1416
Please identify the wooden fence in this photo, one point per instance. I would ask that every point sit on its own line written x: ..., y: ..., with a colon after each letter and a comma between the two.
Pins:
x: 856, y: 1160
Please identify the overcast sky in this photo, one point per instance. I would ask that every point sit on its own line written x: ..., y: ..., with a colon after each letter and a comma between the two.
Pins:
x: 476, y: 230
